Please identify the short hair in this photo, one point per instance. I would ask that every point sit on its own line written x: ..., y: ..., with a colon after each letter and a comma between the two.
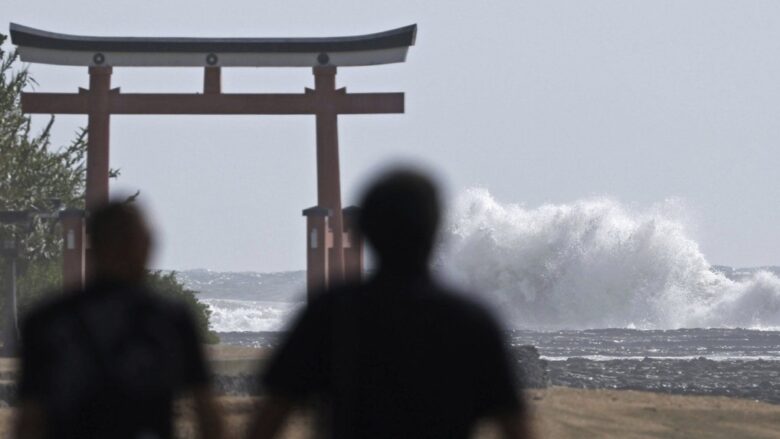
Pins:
x: 113, y: 226
x: 400, y: 215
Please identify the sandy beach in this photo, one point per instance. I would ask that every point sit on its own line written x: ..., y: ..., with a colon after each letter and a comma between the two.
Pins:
x: 564, y: 413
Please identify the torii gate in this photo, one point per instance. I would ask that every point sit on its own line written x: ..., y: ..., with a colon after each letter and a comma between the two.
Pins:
x: 334, y: 249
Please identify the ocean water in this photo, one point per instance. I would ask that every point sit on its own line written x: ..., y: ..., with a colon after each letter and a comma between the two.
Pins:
x: 594, y: 263
x: 558, y: 274
x: 612, y: 295
x: 742, y: 363
x: 612, y: 344
x: 733, y: 362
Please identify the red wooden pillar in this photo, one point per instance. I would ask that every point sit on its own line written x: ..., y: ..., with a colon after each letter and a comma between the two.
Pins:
x: 328, y: 178
x: 97, y: 143
x: 353, y: 252
x: 317, y: 243
x: 73, y: 255
x: 212, y: 81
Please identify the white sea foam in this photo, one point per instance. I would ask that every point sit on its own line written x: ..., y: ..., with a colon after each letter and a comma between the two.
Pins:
x: 593, y: 263
x: 670, y: 357
x: 596, y: 263
x: 229, y: 315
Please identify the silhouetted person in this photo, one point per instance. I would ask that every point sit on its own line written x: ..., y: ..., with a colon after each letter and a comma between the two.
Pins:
x: 397, y: 356
x: 107, y: 362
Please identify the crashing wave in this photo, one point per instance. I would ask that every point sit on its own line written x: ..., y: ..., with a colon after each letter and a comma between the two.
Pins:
x: 231, y: 315
x: 596, y: 263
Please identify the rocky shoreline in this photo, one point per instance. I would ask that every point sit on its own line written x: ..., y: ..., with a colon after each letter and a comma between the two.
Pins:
x: 532, y: 371
x: 235, y: 375
x: 754, y: 379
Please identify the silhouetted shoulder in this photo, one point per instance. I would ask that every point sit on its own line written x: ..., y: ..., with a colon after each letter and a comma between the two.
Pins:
x: 409, y: 341
x: 50, y: 309
x: 424, y: 298
x: 102, y: 326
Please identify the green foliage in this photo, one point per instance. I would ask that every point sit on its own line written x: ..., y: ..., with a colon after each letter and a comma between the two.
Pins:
x: 40, y: 278
x: 32, y: 174
x: 167, y: 285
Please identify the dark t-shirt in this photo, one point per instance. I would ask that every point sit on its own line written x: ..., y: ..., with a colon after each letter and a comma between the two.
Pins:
x: 108, y: 361
x: 395, y: 360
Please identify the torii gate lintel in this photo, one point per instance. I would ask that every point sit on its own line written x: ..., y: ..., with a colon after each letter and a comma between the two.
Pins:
x: 213, y: 102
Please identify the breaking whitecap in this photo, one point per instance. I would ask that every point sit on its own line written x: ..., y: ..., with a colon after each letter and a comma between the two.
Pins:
x: 596, y: 263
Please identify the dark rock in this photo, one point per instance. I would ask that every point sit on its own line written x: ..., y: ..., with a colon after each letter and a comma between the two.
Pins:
x: 699, y: 376
x: 531, y: 369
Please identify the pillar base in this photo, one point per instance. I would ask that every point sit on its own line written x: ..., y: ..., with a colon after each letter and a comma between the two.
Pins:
x: 73, y: 249
x: 320, y: 246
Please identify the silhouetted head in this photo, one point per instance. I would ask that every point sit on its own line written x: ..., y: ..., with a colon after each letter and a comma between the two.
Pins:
x: 120, y: 242
x: 399, y: 217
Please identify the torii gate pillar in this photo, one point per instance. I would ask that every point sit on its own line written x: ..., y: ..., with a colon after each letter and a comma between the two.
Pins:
x: 320, y: 248
x: 98, y: 137
x: 328, y: 172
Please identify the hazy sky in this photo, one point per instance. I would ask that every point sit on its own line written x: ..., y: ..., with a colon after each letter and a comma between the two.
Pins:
x: 545, y: 101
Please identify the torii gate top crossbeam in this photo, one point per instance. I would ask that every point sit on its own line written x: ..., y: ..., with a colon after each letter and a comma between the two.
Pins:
x: 38, y: 46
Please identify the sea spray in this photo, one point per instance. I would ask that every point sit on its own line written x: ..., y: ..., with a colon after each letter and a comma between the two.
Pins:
x: 593, y: 263
x: 229, y: 315
x: 596, y: 263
